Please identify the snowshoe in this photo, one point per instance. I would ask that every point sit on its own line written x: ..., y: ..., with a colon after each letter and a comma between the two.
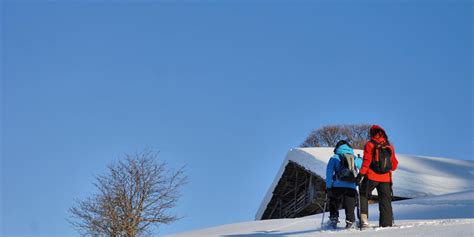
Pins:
x: 364, y: 225
x: 349, y: 225
x: 333, y: 222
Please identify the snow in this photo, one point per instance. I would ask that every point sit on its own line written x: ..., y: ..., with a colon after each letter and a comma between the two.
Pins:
x: 442, y: 204
x: 458, y: 228
x: 443, y: 215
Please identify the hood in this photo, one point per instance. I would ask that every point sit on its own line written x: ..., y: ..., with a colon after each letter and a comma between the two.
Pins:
x: 377, y: 127
x: 344, y: 149
x: 377, y: 138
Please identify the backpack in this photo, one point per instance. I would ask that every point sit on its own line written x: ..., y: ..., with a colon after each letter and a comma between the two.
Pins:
x: 381, y: 158
x: 347, y: 170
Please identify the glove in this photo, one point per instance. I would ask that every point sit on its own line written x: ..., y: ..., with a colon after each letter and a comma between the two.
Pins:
x: 359, y: 179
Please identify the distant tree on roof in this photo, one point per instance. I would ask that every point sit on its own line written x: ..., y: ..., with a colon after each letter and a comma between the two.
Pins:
x: 328, y: 136
x: 133, y: 198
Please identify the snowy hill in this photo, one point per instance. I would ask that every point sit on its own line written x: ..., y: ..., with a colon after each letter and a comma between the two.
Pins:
x: 442, y: 204
x: 444, y: 215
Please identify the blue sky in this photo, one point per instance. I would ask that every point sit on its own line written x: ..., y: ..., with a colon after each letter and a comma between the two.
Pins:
x: 226, y: 88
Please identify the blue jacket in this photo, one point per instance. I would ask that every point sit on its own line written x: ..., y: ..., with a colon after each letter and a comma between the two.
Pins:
x: 334, y: 164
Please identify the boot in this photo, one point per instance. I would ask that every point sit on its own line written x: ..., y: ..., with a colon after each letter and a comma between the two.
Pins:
x: 364, y: 220
x: 349, y: 224
x: 333, y: 222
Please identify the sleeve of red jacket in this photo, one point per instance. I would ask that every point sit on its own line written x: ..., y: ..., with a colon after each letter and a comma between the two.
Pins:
x: 369, y: 147
x: 394, y: 159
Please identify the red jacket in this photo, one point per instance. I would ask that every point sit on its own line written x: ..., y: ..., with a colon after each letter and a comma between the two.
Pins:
x: 368, y: 150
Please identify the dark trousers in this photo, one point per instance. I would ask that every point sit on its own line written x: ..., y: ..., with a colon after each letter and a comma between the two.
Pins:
x: 384, y: 191
x: 346, y: 197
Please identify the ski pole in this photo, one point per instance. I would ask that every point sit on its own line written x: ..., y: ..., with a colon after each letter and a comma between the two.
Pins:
x: 358, y: 208
x: 359, y: 211
x: 324, y: 210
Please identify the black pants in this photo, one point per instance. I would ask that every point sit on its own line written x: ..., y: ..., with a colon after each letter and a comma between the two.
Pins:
x: 346, y: 197
x: 384, y: 191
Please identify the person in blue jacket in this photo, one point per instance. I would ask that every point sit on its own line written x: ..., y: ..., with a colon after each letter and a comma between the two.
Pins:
x: 339, y: 188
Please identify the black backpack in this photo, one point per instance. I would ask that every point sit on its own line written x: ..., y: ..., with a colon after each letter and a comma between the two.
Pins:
x: 347, y: 170
x: 381, y: 158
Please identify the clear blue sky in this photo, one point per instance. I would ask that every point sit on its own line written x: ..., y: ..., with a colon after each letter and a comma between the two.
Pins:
x: 226, y: 88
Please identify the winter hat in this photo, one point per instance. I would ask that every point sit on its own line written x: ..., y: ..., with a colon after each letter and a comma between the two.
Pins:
x: 340, y: 143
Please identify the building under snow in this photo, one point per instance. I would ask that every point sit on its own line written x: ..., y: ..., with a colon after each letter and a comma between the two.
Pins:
x: 299, y: 186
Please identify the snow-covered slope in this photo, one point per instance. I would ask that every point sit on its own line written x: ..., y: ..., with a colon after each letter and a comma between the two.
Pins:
x: 416, y: 176
x: 442, y: 205
x: 444, y: 215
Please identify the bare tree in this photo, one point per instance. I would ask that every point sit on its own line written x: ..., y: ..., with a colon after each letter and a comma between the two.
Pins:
x: 358, y: 135
x: 134, y: 197
x: 328, y: 136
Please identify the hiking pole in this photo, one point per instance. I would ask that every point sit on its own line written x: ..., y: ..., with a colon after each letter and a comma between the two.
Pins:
x: 324, y: 210
x: 358, y: 208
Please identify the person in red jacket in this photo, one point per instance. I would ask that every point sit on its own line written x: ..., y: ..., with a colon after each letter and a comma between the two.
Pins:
x: 376, y: 173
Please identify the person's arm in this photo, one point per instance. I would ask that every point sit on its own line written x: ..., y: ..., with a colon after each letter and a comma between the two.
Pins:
x: 369, y: 148
x: 394, y: 159
x: 329, y: 173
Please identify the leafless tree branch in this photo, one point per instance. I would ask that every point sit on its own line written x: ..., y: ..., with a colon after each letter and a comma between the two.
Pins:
x: 135, y: 195
x: 328, y: 136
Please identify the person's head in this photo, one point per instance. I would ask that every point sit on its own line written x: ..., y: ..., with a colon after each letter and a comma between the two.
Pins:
x: 377, y: 132
x: 340, y: 143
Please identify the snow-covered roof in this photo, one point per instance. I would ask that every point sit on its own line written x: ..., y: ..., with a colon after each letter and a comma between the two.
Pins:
x: 416, y: 176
